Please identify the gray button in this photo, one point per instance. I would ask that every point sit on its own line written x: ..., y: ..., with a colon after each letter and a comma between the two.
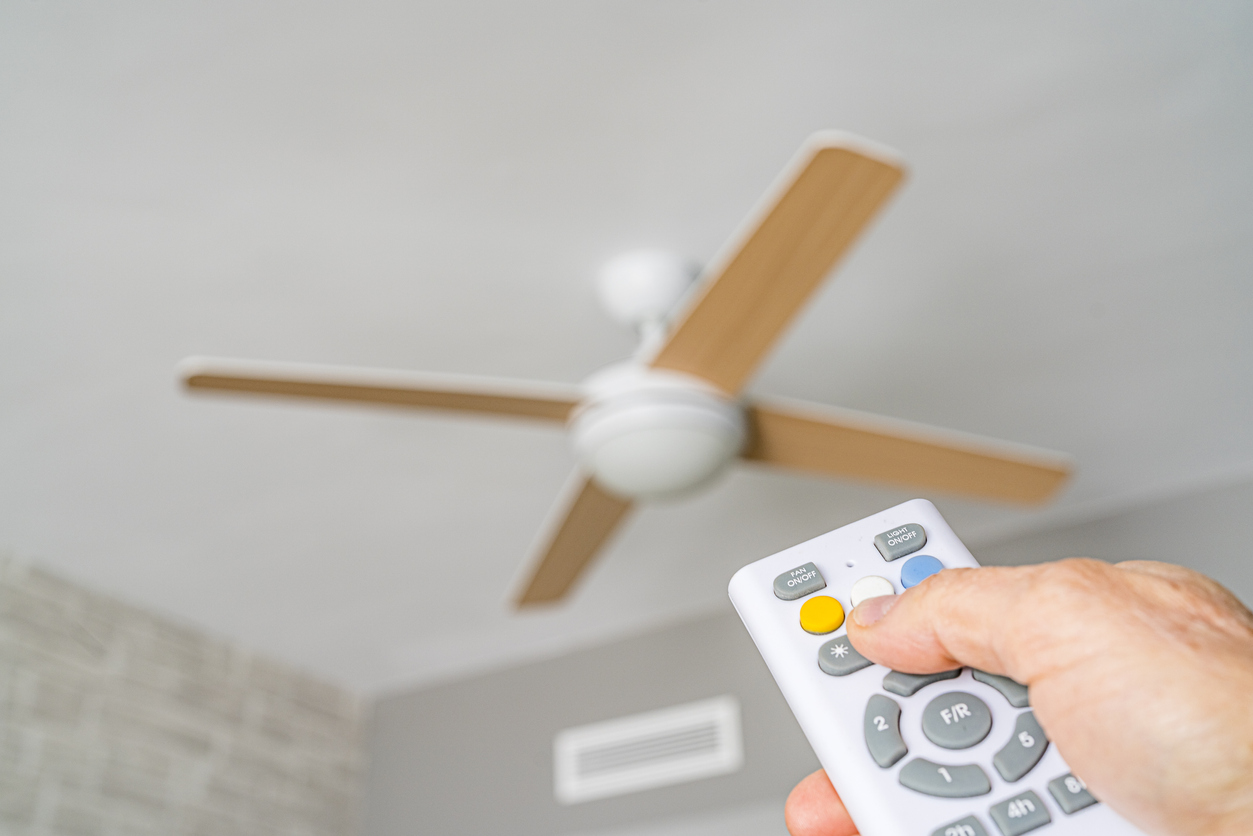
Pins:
x: 968, y: 826
x: 956, y: 720
x: 883, y: 731
x: 1071, y: 793
x: 900, y: 541
x: 908, y: 684
x: 799, y: 582
x: 1013, y: 691
x: 1024, y: 749
x: 1020, y: 814
x: 838, y: 657
x: 962, y: 781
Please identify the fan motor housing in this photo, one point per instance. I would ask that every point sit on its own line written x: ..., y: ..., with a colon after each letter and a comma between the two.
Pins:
x: 644, y: 433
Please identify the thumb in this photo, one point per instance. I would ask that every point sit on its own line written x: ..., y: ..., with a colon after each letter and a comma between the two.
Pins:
x: 1003, y: 620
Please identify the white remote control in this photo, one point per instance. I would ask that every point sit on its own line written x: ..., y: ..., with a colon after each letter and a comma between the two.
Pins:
x: 950, y: 754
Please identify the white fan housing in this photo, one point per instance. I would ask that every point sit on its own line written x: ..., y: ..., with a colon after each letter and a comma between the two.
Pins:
x: 644, y: 433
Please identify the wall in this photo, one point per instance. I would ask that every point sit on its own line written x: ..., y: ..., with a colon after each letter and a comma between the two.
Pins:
x: 113, y: 721
x: 475, y: 756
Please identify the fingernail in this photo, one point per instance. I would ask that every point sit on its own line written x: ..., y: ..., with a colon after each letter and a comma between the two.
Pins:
x: 872, y: 609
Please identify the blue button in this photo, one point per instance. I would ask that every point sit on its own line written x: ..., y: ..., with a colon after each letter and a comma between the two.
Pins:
x: 918, y: 569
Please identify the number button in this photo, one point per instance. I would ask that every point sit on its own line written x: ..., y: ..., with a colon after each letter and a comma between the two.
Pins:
x: 961, y: 781
x: 1071, y: 793
x: 1024, y: 749
x: 1020, y: 814
x: 968, y: 826
x: 883, y: 731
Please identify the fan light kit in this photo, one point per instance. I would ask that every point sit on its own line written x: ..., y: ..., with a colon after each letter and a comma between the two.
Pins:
x: 648, y: 434
x: 669, y: 420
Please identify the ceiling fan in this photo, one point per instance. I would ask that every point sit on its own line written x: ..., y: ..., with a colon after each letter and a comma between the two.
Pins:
x: 670, y: 419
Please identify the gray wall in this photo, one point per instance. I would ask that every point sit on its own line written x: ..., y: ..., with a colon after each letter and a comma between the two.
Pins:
x: 113, y: 721
x: 475, y: 756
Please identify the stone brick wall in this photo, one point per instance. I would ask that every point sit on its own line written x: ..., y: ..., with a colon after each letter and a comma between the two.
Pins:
x: 113, y: 721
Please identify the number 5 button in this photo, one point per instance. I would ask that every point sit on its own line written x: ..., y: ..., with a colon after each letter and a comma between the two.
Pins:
x: 1024, y: 749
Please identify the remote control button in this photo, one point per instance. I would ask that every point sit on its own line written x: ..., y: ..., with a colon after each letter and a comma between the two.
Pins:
x: 918, y: 569
x: 883, y: 731
x: 798, y: 582
x: 821, y: 615
x: 908, y: 684
x: 838, y: 657
x: 928, y: 778
x: 1020, y: 814
x: 1071, y: 793
x: 968, y: 826
x: 1024, y: 749
x: 900, y: 541
x: 956, y: 720
x: 870, y: 586
x: 1013, y: 691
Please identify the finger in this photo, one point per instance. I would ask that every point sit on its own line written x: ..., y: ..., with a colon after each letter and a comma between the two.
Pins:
x: 1005, y: 620
x: 814, y: 809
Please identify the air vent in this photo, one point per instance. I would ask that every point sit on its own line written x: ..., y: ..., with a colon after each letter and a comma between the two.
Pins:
x: 655, y: 749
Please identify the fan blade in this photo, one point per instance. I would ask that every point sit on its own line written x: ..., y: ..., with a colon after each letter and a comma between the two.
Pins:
x: 764, y: 276
x: 861, y: 446
x: 381, y: 386
x: 590, y: 519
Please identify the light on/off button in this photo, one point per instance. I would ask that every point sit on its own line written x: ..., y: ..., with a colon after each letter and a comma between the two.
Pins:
x: 821, y: 614
x: 900, y: 541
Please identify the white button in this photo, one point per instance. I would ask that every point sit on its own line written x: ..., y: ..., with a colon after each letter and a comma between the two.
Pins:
x: 871, y: 586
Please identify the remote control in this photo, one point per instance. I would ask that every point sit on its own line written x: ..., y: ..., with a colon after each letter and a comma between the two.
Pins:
x: 949, y: 754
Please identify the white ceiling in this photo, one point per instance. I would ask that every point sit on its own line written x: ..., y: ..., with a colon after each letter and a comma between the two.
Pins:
x: 431, y: 186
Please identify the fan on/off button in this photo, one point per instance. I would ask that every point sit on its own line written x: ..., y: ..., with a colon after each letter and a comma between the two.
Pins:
x: 798, y: 582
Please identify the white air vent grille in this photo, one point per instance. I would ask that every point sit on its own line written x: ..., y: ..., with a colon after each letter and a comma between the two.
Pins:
x: 655, y: 749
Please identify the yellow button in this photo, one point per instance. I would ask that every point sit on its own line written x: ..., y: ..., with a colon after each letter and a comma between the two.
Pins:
x: 821, y: 614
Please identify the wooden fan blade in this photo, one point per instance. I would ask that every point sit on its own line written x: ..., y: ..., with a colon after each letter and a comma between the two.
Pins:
x: 765, y: 275
x: 591, y: 517
x: 860, y: 446
x: 381, y: 386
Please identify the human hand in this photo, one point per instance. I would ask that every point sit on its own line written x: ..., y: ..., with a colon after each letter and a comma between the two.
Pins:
x: 1140, y: 673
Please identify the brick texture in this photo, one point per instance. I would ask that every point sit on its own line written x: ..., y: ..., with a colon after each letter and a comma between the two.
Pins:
x: 115, y: 721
